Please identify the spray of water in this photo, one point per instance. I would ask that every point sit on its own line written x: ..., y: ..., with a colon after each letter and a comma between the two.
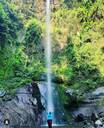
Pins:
x: 48, y: 56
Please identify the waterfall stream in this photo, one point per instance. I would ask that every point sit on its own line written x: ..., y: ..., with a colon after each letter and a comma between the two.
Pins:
x: 50, y: 107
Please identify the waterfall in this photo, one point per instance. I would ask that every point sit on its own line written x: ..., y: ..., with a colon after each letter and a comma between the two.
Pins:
x: 48, y: 56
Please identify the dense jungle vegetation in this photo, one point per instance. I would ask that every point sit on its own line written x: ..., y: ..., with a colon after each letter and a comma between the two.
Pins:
x: 77, y: 42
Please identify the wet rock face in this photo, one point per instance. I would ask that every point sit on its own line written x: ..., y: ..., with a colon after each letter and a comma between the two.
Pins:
x: 89, y: 110
x: 90, y: 103
x: 23, y: 109
x: 36, y: 94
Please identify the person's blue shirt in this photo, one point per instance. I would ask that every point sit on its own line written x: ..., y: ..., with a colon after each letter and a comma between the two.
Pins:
x: 50, y: 116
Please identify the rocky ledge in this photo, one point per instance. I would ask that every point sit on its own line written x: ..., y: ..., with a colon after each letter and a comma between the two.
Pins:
x: 22, y: 110
x: 90, y: 111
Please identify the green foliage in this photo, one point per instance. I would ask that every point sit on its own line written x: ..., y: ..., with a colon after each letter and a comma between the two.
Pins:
x: 10, y: 85
x: 33, y: 38
x: 101, y: 102
x: 9, y: 52
x: 63, y: 98
x: 63, y: 70
x: 12, y: 61
x: 35, y: 70
x: 77, y: 46
x: 9, y: 25
x: 34, y: 48
x: 81, y: 58
x: 33, y: 32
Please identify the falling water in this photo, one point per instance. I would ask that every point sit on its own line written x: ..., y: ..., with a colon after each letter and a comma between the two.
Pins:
x: 48, y: 56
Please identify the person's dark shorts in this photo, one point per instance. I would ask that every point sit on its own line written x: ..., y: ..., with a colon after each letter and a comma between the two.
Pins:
x: 49, y: 123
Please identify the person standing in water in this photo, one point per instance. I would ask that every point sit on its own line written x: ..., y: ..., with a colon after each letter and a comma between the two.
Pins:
x: 49, y: 119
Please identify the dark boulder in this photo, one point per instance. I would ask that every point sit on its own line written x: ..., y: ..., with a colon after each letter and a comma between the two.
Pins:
x: 79, y: 118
